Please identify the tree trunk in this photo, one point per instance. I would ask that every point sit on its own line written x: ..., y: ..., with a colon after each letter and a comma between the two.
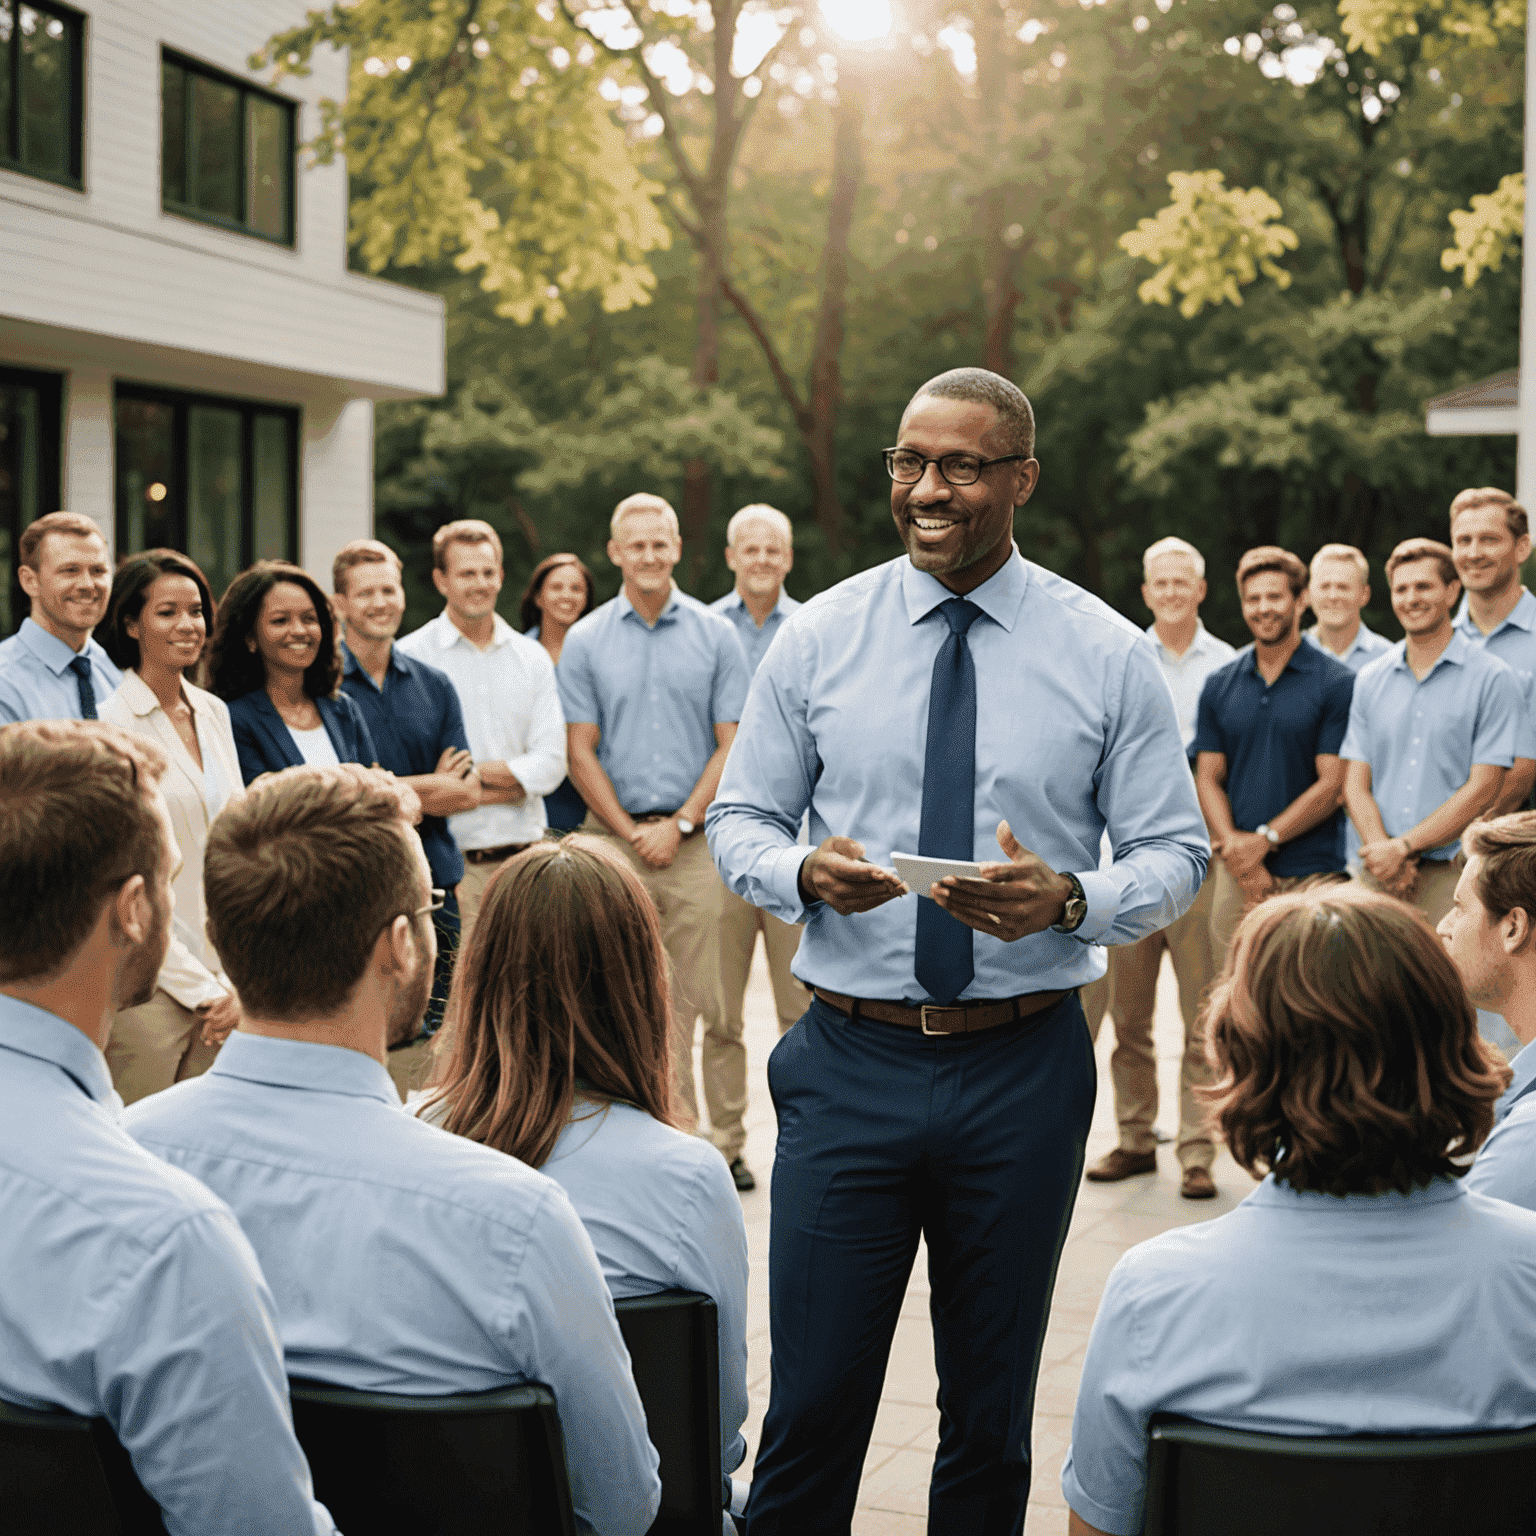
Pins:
x: 698, y: 483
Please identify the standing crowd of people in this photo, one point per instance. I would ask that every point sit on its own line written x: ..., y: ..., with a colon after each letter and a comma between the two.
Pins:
x: 350, y: 986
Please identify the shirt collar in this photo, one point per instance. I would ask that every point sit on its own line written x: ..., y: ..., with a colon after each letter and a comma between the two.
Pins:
x: 1363, y: 637
x: 1524, y: 1067
x: 1455, y: 653
x: 1305, y: 658
x: 1521, y: 616
x: 448, y: 634
x: 304, y: 1065
x: 52, y: 651
x: 1000, y: 596
x: 1275, y: 1194
x: 626, y: 609
x: 1197, y: 647
x: 398, y: 663
x: 33, y: 1031
x: 734, y: 599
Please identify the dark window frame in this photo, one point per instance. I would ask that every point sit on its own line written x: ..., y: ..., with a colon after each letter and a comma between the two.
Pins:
x: 184, y: 210
x: 10, y: 143
x: 50, y: 389
x: 179, y: 400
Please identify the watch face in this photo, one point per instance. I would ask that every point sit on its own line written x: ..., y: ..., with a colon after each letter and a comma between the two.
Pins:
x: 684, y: 826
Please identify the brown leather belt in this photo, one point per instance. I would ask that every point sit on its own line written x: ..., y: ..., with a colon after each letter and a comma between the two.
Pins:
x: 493, y: 855
x: 935, y: 1019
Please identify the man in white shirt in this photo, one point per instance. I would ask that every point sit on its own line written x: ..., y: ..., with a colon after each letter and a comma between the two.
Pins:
x: 1338, y: 585
x: 1173, y: 588
x: 506, y: 685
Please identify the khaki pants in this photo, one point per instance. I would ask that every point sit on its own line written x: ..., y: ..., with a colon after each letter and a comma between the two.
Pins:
x: 154, y: 1045
x: 740, y: 924
x: 1436, y: 890
x: 1129, y: 994
x: 471, y: 893
x: 1229, y: 904
x: 689, y: 897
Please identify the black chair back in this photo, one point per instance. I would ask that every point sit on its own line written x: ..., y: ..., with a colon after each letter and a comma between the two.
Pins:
x: 471, y: 1464
x: 674, y: 1346
x: 60, y: 1472
x: 1204, y: 1481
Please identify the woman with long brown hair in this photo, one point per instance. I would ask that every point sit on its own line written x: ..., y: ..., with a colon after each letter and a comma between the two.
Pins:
x: 559, y: 592
x: 555, y: 1051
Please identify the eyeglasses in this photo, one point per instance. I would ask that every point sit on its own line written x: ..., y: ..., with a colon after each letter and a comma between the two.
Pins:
x: 438, y: 898
x: 906, y: 467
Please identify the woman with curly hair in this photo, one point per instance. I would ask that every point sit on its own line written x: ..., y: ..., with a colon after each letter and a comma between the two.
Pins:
x: 274, y: 661
x: 1361, y: 1288
x: 555, y: 1051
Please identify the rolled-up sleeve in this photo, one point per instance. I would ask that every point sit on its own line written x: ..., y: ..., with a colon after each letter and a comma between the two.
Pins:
x: 541, y: 767
x: 1146, y: 796
x: 754, y: 820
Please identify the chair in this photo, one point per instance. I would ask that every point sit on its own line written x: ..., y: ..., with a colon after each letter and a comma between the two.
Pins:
x: 470, y: 1464
x: 63, y: 1473
x: 1204, y: 1481
x: 674, y: 1346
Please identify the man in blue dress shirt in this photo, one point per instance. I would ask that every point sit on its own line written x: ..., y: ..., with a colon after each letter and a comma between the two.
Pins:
x: 51, y: 668
x: 1490, y: 543
x: 1432, y: 728
x: 964, y: 704
x: 1364, y: 1287
x: 403, y: 1259
x: 1490, y: 934
x: 127, y: 1291
x: 417, y: 725
x: 652, y: 685
x: 1338, y: 587
x: 760, y: 549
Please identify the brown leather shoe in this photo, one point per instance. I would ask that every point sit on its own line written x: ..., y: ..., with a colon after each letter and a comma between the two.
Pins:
x: 1121, y: 1164
x: 1198, y: 1184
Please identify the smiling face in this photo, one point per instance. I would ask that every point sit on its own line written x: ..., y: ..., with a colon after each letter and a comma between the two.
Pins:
x: 761, y: 557
x: 470, y: 581
x: 1337, y: 592
x: 172, y: 627
x: 1173, y: 590
x: 959, y: 533
x: 562, y: 595
x: 288, y: 631
x: 372, y: 603
x: 1270, y: 610
x: 645, y: 550
x: 70, y: 586
x: 1421, y: 597
x: 1488, y: 556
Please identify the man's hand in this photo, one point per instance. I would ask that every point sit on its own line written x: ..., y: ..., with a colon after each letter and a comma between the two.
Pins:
x: 1243, y: 853
x: 381, y: 778
x: 218, y: 1019
x: 455, y: 761
x: 1009, y: 900
x: 1256, y: 885
x: 837, y: 874
x: 657, y: 842
x: 1385, y: 860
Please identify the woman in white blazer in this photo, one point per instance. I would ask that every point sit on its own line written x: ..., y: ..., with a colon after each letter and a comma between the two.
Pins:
x: 155, y: 630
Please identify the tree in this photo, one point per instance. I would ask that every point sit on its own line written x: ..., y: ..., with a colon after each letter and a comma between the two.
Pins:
x: 1486, y: 231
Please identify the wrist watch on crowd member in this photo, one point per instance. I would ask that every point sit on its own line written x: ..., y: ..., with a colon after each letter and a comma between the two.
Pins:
x: 1268, y: 833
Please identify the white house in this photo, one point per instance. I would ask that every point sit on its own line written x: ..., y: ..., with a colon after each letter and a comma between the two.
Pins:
x: 184, y: 356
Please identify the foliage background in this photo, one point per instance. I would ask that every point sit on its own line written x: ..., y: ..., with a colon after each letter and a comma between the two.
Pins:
x: 1013, y: 143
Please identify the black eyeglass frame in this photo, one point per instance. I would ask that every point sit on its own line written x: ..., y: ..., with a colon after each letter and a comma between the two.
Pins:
x: 888, y: 454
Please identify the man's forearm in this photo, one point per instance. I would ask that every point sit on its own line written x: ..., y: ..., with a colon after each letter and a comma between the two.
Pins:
x: 1363, y: 810
x: 1216, y: 807
x: 444, y: 794
x: 1453, y: 818
x: 703, y: 793
x: 1516, y: 793
x: 1307, y: 810
x: 596, y: 788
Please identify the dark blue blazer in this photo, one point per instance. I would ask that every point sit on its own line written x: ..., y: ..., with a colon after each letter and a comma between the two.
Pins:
x: 265, y: 745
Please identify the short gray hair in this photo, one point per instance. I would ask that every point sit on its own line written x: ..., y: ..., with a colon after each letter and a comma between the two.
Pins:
x: 1015, y: 415
x: 1174, y: 546
x: 642, y: 501
x: 1342, y: 552
x: 760, y: 512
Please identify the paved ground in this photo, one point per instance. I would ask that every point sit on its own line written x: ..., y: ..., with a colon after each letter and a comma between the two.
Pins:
x: 1108, y: 1220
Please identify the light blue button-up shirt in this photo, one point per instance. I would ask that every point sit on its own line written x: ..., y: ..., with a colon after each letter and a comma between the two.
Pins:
x: 1308, y: 1314
x: 1186, y: 674
x: 127, y: 1291
x: 1366, y: 646
x: 407, y: 1260
x: 1514, y: 643
x: 1506, y: 1165
x: 36, y: 682
x: 1075, y: 733
x: 1422, y: 739
x: 754, y: 641
x: 655, y: 693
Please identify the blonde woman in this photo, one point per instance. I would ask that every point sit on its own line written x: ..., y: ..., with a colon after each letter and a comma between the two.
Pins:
x: 155, y: 630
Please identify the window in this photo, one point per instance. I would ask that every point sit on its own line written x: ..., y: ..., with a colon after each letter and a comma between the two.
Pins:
x: 214, y: 478
x: 41, y: 90
x: 226, y: 151
x: 29, y: 472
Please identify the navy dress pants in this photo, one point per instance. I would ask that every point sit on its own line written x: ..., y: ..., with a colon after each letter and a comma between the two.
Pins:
x: 976, y: 1143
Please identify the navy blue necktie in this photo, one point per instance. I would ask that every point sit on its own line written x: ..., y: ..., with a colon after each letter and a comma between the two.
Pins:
x: 945, y: 965
x: 81, y: 667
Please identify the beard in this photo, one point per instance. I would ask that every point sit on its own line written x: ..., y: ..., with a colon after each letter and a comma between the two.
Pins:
x: 410, y: 1005
x: 141, y: 970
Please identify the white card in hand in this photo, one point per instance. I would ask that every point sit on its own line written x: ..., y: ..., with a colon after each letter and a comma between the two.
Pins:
x: 921, y: 872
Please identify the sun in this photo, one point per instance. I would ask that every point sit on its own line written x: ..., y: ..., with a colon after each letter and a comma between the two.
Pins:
x: 858, y: 21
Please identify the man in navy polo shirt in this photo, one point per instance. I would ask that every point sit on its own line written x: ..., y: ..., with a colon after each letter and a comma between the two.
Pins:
x: 417, y: 723
x: 1267, y: 740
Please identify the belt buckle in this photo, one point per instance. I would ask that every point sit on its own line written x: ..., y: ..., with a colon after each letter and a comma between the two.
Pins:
x: 928, y: 1008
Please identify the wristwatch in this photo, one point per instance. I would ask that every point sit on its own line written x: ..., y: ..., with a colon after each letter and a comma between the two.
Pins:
x: 1268, y: 833
x: 1075, y: 911
x: 685, y: 826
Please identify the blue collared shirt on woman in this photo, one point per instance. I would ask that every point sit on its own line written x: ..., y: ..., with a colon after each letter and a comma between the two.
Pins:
x: 1308, y: 1314
x: 266, y: 745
